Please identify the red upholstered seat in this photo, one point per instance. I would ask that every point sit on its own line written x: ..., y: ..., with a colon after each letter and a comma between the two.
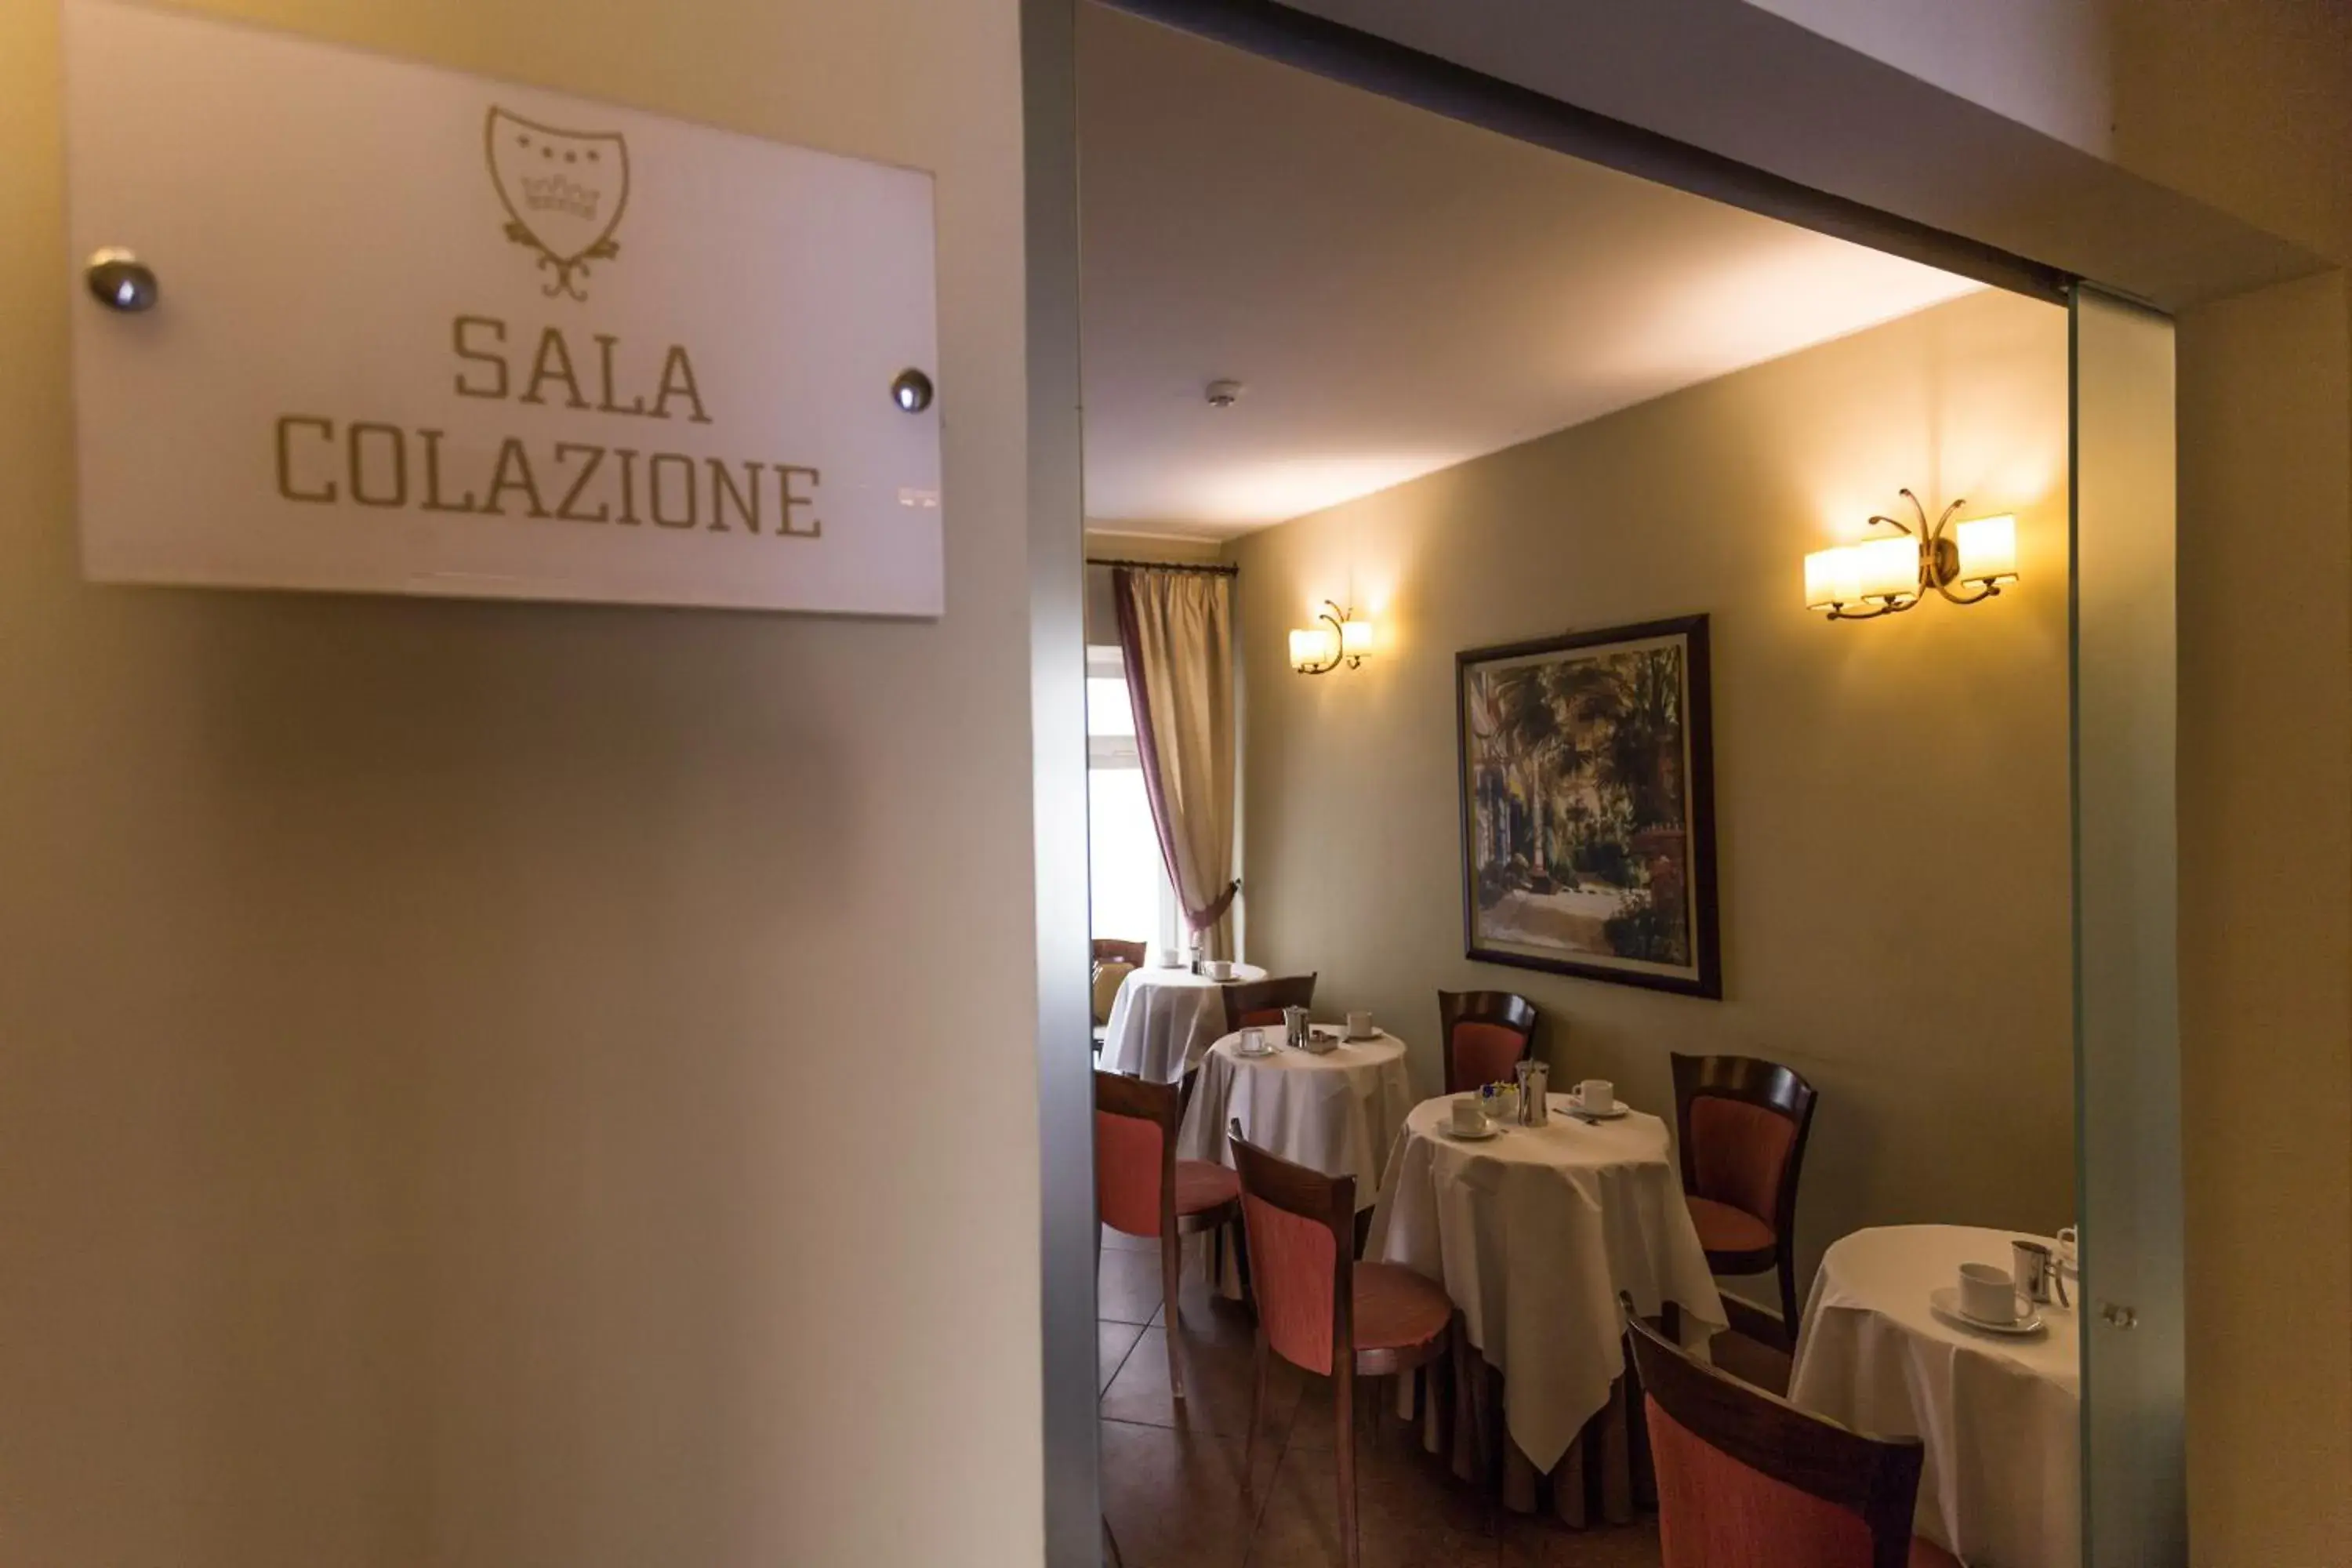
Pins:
x: 1738, y: 1151
x: 1485, y: 1053
x: 1716, y: 1512
x: 1260, y: 1019
x: 1397, y: 1309
x: 1722, y: 1229
x: 1203, y: 1185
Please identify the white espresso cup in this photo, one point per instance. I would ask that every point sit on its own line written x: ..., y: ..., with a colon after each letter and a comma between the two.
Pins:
x: 1360, y: 1026
x: 1220, y: 968
x: 1253, y: 1042
x: 1469, y: 1116
x: 1988, y: 1293
x: 2070, y: 1248
x: 1597, y: 1095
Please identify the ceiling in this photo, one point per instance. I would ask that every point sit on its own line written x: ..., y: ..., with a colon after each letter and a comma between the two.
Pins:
x: 1397, y: 292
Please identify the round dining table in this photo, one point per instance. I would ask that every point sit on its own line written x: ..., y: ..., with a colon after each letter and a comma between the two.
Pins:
x: 1162, y: 1019
x: 1999, y: 1414
x: 1337, y: 1111
x: 1534, y: 1231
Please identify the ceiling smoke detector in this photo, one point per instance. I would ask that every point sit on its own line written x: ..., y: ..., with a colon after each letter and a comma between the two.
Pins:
x: 1224, y: 393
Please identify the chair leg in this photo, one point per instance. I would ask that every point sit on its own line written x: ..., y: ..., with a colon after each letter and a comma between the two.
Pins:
x: 1788, y: 1270
x: 1172, y: 1281
x: 1256, y: 1417
x: 1343, y: 1421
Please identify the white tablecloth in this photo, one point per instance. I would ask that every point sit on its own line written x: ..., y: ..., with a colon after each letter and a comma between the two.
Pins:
x: 1533, y: 1234
x: 1163, y: 1019
x: 1337, y: 1113
x: 2001, y: 1416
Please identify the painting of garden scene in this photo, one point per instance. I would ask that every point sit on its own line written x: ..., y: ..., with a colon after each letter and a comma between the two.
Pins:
x: 1587, y: 829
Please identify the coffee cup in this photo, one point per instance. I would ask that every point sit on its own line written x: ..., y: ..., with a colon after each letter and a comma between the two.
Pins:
x: 1988, y: 1293
x: 1167, y: 957
x: 1360, y: 1026
x: 1597, y: 1096
x: 1469, y: 1116
x: 1220, y: 968
x: 1253, y: 1042
x: 2070, y: 1248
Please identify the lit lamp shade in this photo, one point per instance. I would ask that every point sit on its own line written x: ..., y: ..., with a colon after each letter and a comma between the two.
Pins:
x: 1830, y: 579
x: 1354, y: 639
x: 1888, y: 568
x: 1987, y: 548
x: 1312, y: 647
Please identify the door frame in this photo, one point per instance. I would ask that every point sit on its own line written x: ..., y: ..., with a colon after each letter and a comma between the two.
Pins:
x: 2126, y: 773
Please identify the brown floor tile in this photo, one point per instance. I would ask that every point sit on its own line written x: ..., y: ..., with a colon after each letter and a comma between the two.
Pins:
x: 1112, y: 1341
x: 1129, y: 1287
x: 1313, y: 1427
x: 1209, y: 1317
x: 1411, y: 1514
x: 1547, y: 1544
x: 1174, y: 1498
x: 1216, y: 1389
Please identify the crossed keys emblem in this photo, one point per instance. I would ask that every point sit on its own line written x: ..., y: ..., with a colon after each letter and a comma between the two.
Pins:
x: 563, y: 191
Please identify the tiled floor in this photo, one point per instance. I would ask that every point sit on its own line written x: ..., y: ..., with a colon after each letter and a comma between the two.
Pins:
x: 1172, y: 1480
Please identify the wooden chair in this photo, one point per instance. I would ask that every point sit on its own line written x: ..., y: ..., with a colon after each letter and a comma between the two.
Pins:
x: 1142, y: 1188
x: 1111, y: 949
x: 1748, y: 1481
x: 1486, y: 1033
x: 1260, y: 1001
x: 1742, y: 1124
x: 1323, y: 1311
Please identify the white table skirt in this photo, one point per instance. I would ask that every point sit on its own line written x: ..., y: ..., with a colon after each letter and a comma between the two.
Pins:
x: 1533, y: 1234
x: 2000, y: 1417
x: 1337, y: 1113
x: 1162, y: 1019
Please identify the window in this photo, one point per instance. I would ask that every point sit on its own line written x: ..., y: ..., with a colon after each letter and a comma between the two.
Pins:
x: 1128, y: 884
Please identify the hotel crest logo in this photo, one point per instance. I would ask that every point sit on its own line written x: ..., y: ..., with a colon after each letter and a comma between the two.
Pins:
x: 564, y: 191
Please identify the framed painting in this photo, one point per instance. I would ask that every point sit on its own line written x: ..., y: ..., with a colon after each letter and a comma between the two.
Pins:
x: 1588, y: 806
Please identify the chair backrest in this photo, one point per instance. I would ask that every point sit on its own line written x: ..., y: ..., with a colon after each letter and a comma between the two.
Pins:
x: 1301, y: 1229
x: 1109, y: 975
x: 1742, y: 1125
x: 1262, y: 1001
x: 1135, y: 1122
x: 1486, y: 1033
x: 1111, y: 949
x: 1748, y: 1481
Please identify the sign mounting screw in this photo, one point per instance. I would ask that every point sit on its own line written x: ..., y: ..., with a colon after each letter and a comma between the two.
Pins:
x: 122, y: 281
x: 911, y: 391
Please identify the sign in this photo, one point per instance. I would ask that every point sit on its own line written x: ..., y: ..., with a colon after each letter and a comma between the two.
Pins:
x: 422, y: 332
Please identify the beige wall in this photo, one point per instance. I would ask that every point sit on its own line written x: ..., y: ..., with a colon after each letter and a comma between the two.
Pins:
x: 426, y: 1028
x: 2266, y: 921
x: 1892, y: 811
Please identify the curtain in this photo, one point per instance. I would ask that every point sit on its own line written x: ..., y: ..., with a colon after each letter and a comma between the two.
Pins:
x: 1175, y: 628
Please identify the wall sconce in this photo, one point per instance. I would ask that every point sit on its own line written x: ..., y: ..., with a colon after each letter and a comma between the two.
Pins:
x: 1337, y: 637
x: 1884, y: 576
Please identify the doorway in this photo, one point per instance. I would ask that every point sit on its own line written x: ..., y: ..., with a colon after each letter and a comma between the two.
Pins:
x: 1351, y: 477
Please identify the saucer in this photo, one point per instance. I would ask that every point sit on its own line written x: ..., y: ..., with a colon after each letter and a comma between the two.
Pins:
x: 1359, y: 1039
x: 1248, y: 1054
x: 1616, y: 1109
x: 1493, y: 1127
x: 1946, y: 1301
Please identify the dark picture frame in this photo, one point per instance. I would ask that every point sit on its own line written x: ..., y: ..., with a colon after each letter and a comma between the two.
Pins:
x: 1586, y: 764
